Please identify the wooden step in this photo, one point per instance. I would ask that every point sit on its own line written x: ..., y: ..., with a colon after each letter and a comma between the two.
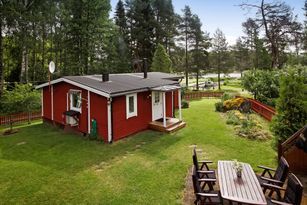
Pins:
x: 176, y: 127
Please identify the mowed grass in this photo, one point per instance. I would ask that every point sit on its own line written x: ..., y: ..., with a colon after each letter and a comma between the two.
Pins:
x: 44, y: 165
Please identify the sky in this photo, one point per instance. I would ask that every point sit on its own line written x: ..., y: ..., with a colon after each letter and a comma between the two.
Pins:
x: 224, y: 14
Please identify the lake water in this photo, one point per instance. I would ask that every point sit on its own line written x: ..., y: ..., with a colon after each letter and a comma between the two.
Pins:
x: 214, y: 75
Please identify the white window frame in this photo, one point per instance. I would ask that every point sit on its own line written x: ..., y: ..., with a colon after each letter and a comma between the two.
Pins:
x: 135, y: 100
x: 71, y: 100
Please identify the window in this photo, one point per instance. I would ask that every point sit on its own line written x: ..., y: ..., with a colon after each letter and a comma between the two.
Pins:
x: 75, y: 100
x: 131, y: 105
x: 157, y: 97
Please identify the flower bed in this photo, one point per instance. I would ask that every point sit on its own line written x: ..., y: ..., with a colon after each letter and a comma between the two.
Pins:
x: 247, y: 125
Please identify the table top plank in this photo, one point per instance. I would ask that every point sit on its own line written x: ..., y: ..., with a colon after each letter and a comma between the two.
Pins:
x: 245, y: 189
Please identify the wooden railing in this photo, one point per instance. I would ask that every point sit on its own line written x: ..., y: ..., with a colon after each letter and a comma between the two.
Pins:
x: 262, y: 109
x: 291, y: 141
x: 198, y: 95
x: 20, y: 118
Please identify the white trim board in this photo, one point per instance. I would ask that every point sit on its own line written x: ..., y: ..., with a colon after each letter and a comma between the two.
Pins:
x: 109, y: 120
x: 135, y: 105
x: 88, y: 112
x: 107, y: 95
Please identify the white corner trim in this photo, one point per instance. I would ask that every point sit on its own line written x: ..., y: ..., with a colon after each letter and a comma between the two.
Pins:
x: 88, y: 112
x: 51, y: 102
x: 107, y: 95
x: 164, y: 110
x: 135, y: 100
x: 172, y: 103
x: 67, y: 102
x: 109, y: 120
x: 42, y: 102
x: 152, y: 105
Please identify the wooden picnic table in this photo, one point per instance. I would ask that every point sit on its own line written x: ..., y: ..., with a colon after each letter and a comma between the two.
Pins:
x: 245, y: 190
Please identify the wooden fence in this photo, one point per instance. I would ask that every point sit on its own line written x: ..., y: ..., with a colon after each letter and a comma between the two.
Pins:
x: 290, y: 142
x: 20, y: 118
x: 262, y: 109
x: 198, y: 95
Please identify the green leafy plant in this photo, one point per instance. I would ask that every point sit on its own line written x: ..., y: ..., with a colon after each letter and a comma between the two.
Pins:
x: 23, y: 98
x: 263, y: 84
x: 184, y: 104
x: 291, y: 110
x: 219, y: 107
x: 232, y: 118
x: 161, y: 61
x: 238, y: 167
x: 226, y: 96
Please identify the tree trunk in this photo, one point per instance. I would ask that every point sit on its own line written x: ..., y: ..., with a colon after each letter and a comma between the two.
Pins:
x: 1, y: 59
x: 274, y: 60
x: 197, y: 77
x: 219, y: 71
x: 43, y: 47
x: 186, y: 62
x: 219, y: 77
x: 24, y: 65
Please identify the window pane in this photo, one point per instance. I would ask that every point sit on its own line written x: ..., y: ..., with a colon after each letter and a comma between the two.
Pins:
x: 157, y: 97
x: 131, y: 104
x: 76, y: 99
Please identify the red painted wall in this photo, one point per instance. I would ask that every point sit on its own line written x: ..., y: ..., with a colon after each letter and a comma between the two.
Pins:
x: 123, y: 127
x: 99, y: 112
x: 168, y: 106
x: 59, y: 104
x: 176, y: 98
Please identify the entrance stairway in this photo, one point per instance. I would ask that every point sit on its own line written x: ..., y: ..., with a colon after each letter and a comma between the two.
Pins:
x: 172, y: 125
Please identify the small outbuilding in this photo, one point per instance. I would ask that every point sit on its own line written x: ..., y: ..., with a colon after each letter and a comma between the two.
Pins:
x: 118, y: 105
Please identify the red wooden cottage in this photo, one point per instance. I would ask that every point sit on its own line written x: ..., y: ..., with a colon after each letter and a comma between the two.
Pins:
x: 120, y: 104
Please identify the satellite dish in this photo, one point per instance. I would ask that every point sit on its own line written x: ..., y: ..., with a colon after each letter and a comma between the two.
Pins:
x: 51, y: 67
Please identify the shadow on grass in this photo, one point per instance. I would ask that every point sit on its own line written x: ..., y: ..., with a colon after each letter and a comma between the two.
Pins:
x: 51, y: 147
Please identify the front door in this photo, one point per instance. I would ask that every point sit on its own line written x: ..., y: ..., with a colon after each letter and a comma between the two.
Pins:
x: 157, y: 105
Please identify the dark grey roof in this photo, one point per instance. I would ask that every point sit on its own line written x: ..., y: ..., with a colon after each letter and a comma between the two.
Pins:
x: 127, y: 82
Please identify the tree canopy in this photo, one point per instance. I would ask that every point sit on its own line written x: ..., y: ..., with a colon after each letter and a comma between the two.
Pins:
x: 161, y: 61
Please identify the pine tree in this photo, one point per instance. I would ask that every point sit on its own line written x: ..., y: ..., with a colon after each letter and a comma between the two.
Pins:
x: 165, y: 23
x: 121, y: 20
x: 219, y: 46
x: 161, y: 61
x: 241, y: 55
x: 199, y: 45
x: 141, y: 25
x: 121, y: 39
x: 185, y: 33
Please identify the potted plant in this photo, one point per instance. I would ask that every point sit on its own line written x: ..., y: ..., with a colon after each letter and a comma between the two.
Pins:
x: 238, y: 166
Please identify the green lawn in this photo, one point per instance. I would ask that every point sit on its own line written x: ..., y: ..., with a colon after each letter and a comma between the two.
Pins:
x: 43, y: 165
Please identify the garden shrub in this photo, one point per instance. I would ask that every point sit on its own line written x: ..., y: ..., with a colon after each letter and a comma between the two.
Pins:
x: 246, y: 126
x: 23, y: 98
x: 219, y: 107
x: 232, y: 118
x: 291, y: 110
x: 232, y: 104
x: 184, y: 104
x: 226, y: 96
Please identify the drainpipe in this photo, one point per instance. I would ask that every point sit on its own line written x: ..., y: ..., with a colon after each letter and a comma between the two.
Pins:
x: 110, y: 139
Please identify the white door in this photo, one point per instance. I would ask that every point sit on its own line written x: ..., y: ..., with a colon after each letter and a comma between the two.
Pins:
x: 157, y: 105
